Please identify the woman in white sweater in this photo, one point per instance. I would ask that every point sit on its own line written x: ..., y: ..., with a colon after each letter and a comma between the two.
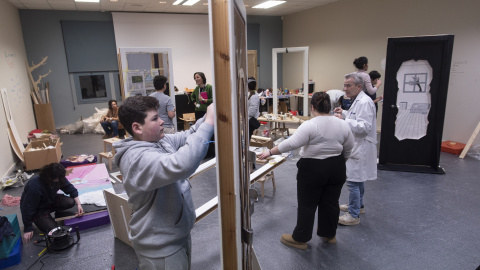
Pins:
x: 326, y: 143
x: 253, y: 105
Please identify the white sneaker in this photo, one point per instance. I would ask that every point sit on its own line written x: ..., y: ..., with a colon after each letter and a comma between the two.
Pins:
x: 348, y: 220
x: 344, y: 208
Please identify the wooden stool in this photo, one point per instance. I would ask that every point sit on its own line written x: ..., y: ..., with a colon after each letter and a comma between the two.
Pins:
x: 111, y: 154
x: 277, y: 129
x: 268, y: 176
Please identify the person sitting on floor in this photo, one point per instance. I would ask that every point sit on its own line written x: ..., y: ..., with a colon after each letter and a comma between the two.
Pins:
x: 109, y: 122
x: 40, y: 198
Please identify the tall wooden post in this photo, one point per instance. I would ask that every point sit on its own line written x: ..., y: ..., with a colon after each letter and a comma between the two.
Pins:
x: 228, y: 37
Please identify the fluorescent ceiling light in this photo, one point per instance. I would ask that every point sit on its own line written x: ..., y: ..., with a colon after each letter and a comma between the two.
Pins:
x: 177, y: 2
x: 190, y: 2
x: 269, y: 4
x: 88, y: 1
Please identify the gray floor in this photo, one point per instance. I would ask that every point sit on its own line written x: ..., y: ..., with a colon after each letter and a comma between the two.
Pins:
x: 412, y: 221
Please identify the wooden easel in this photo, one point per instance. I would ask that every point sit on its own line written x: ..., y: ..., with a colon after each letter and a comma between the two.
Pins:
x: 470, y: 141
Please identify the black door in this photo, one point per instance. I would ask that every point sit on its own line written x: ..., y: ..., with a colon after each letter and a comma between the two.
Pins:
x: 415, y: 154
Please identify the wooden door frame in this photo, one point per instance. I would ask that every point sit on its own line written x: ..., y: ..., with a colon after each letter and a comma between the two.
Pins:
x: 275, y: 52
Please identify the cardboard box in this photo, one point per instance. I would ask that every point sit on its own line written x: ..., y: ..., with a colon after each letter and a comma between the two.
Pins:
x: 120, y: 215
x: 258, y: 141
x: 452, y: 147
x: 36, y: 159
x: 188, y: 120
x: 44, y: 116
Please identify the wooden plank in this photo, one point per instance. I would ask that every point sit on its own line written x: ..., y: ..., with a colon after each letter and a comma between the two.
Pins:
x: 13, y: 135
x: 85, y: 214
x: 252, y: 65
x: 228, y: 35
x: 206, y: 209
x: 120, y: 74
x: 212, y: 205
x: 204, y: 167
x: 470, y: 141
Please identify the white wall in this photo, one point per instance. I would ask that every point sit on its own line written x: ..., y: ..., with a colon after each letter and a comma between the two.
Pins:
x: 14, y: 79
x: 341, y: 31
x: 186, y: 34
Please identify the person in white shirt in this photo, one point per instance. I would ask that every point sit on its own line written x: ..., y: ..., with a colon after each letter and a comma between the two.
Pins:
x: 335, y: 96
x: 325, y: 142
x: 253, y: 105
x: 362, y: 164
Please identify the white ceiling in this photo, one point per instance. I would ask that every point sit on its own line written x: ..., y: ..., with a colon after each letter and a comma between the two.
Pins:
x: 291, y: 6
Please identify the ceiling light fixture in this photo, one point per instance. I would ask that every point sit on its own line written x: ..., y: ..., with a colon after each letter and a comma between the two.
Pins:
x: 190, y: 2
x: 269, y: 4
x: 177, y: 2
x: 162, y: 2
x: 88, y: 1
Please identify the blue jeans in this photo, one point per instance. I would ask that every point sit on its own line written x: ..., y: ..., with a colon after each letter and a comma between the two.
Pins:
x: 355, y: 200
x: 110, y: 127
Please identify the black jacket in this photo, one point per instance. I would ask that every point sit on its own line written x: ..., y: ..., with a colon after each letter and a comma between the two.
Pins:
x: 37, y: 196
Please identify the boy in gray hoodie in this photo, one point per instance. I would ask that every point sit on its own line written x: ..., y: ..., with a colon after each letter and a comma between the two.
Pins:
x: 156, y: 167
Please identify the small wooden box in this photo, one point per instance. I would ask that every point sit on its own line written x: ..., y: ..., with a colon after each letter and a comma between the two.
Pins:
x: 452, y: 147
x: 258, y: 141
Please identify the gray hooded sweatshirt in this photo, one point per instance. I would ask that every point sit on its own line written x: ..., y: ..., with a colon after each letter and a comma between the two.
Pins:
x: 158, y: 189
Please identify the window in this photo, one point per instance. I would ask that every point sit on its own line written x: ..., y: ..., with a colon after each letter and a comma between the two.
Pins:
x: 92, y: 87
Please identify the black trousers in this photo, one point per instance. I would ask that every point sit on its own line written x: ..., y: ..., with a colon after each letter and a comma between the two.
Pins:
x: 44, y: 221
x: 319, y: 184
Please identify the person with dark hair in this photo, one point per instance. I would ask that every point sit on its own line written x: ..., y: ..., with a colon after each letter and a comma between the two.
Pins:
x: 361, y: 64
x: 202, y: 96
x: 166, y: 109
x: 374, y: 77
x: 253, y: 105
x: 344, y: 102
x: 156, y: 167
x: 326, y: 142
x: 40, y: 198
x: 362, y: 165
x: 334, y: 96
x: 109, y: 122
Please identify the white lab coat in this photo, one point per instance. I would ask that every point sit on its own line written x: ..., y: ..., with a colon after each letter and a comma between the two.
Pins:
x: 361, y: 118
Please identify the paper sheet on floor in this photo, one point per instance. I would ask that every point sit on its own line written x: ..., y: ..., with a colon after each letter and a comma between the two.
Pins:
x: 94, y: 197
